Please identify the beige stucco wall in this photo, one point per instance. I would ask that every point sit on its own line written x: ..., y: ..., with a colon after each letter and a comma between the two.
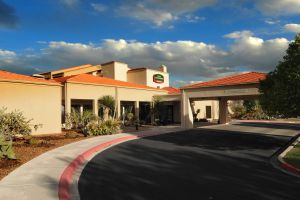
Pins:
x: 127, y: 94
x: 150, y: 82
x: 115, y: 70
x: 84, y: 91
x: 42, y: 103
x: 202, y: 106
x: 231, y: 92
x: 138, y: 77
x: 83, y: 70
x: 90, y: 91
x: 94, y: 92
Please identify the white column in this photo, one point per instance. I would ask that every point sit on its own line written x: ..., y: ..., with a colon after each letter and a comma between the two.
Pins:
x: 223, y: 111
x: 186, y: 111
x: 118, y: 104
x: 81, y: 109
x: 119, y: 111
x: 67, y: 106
x: 67, y: 100
x: 95, y: 107
x: 137, y: 109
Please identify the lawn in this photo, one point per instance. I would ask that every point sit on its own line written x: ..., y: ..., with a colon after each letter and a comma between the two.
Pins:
x: 293, y: 156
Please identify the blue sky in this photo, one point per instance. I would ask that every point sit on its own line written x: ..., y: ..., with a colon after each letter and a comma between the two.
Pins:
x: 196, y: 39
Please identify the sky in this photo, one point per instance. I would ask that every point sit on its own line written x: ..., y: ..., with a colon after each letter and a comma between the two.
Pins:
x: 197, y: 40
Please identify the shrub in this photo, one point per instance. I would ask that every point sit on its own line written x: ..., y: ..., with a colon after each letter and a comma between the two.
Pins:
x: 130, y: 118
x: 238, y: 109
x: 248, y: 110
x: 76, y: 120
x: 99, y: 127
x: 6, y: 150
x: 33, y: 141
x: 257, y: 114
x: 13, y: 123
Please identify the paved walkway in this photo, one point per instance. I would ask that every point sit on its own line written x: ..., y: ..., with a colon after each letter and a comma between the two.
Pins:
x: 38, y: 179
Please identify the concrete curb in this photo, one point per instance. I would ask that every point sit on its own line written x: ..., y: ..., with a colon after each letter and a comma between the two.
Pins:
x: 67, y: 175
x: 268, y: 121
x: 278, y: 161
x: 67, y: 188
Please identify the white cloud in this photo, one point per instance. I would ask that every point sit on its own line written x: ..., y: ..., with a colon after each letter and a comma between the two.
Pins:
x: 256, y: 53
x: 7, y: 53
x: 141, y: 12
x: 278, y: 7
x: 70, y: 3
x: 294, y: 28
x: 238, y: 34
x: 272, y: 22
x: 187, y: 59
x: 99, y: 7
x: 193, y: 19
x: 160, y: 12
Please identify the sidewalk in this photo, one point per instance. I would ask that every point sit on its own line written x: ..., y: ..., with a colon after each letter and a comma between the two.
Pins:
x: 39, y: 178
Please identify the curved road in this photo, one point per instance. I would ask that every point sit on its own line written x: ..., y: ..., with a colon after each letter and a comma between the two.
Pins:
x: 195, y: 164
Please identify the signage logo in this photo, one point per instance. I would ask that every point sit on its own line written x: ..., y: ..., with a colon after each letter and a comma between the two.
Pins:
x: 158, y: 78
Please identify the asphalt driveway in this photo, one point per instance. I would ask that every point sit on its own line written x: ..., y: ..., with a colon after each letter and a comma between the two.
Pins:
x: 206, y: 163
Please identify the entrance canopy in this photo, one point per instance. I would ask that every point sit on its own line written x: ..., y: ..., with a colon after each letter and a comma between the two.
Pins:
x: 236, y: 87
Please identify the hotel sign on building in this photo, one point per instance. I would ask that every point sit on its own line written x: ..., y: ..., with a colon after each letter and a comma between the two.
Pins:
x: 158, y: 78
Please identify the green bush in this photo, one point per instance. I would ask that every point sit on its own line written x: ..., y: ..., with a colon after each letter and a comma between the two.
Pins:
x: 238, y: 110
x: 248, y: 110
x: 6, y: 150
x: 256, y: 114
x: 13, y: 123
x: 99, y: 127
x: 76, y: 120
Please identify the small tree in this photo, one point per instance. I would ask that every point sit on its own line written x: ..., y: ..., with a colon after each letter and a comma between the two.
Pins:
x: 108, y: 104
x: 281, y: 88
x: 157, y: 107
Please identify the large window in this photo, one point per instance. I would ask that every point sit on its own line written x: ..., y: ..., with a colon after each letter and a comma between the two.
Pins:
x: 208, y: 111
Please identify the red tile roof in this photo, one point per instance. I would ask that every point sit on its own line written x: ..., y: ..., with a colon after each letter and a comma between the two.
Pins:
x: 172, y: 90
x: 9, y: 76
x: 87, y: 78
x: 243, y: 78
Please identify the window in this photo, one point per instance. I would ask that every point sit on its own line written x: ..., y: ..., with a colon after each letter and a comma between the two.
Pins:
x: 208, y: 111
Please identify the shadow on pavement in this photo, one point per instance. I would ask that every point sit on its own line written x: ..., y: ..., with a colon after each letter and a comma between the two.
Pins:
x: 195, y: 164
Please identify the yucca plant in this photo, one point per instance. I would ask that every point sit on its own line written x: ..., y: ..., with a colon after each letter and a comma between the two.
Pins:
x: 77, y: 120
x: 108, y: 104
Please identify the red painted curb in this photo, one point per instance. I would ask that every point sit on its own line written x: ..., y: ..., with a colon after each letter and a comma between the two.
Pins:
x: 290, y: 168
x: 67, y: 175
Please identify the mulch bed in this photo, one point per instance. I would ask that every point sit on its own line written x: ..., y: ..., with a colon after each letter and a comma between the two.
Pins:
x: 27, y: 149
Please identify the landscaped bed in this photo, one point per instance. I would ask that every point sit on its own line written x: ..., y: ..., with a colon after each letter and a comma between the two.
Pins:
x: 293, y: 156
x: 29, y: 148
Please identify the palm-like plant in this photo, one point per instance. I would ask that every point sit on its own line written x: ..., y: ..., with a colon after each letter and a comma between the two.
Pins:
x: 108, y: 104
